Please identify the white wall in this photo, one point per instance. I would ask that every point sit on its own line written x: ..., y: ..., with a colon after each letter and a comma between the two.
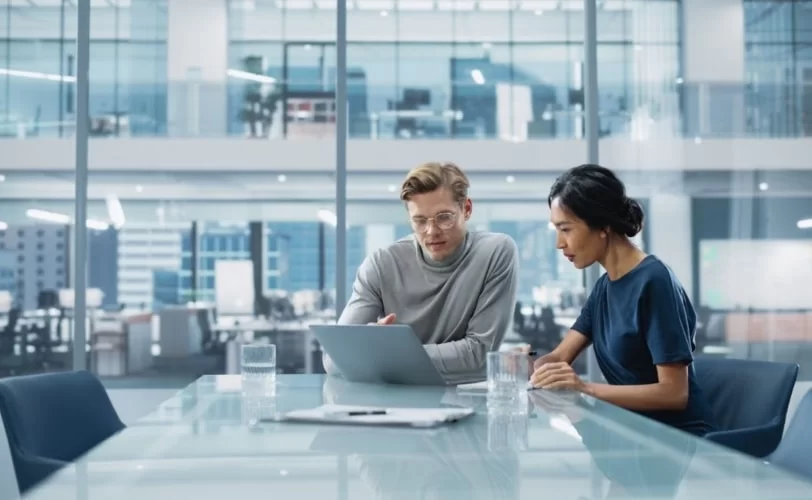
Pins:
x: 713, y: 41
x: 197, y: 57
x: 713, y: 67
x: 669, y: 232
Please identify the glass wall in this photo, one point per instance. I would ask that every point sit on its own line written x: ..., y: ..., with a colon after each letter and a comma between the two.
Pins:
x: 38, y: 67
x: 164, y: 242
x: 778, y: 63
x: 498, y: 69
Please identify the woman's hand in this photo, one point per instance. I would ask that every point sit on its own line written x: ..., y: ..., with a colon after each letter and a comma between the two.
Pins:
x: 557, y: 375
x: 566, y: 404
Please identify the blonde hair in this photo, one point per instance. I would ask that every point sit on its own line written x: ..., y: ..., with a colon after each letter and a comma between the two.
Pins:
x: 432, y: 176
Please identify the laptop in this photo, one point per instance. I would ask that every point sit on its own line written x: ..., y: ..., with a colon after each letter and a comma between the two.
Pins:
x: 388, y: 354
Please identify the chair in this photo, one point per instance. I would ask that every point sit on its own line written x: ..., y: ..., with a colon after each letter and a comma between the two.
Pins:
x: 8, y: 481
x: 749, y: 401
x: 795, y: 450
x: 52, y: 419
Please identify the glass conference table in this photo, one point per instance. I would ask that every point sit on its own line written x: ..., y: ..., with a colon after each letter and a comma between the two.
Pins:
x: 211, y: 442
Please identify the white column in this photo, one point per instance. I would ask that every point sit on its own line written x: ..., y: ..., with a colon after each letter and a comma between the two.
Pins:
x: 197, y: 60
x: 713, y: 66
x: 379, y: 236
x: 670, y: 237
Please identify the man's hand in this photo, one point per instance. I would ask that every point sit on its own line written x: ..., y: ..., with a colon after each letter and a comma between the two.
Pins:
x: 557, y: 375
x: 386, y: 320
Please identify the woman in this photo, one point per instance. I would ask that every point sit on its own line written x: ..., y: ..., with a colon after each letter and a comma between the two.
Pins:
x: 638, y: 317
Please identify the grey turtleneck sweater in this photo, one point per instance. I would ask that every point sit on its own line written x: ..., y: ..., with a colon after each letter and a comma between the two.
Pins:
x: 460, y: 307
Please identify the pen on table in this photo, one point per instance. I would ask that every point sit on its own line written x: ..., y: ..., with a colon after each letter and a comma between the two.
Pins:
x: 359, y: 413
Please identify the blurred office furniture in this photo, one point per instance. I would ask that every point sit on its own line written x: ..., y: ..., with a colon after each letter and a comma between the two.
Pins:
x: 10, y: 363
x: 211, y: 342
x: 749, y: 400
x: 8, y: 480
x: 52, y: 419
x: 795, y: 451
x: 234, y: 287
x: 6, y: 301
x: 488, y: 95
x: 259, y: 98
x: 181, y: 336
x: 121, y: 344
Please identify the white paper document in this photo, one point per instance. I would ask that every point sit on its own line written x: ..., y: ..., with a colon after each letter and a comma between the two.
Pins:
x: 369, y: 415
x: 474, y: 387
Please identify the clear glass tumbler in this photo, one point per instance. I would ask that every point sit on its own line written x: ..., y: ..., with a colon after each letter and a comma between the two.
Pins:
x: 507, y: 379
x: 258, y: 368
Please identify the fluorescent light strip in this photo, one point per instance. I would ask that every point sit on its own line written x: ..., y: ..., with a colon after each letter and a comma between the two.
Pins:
x: 97, y: 225
x: 46, y: 216
x: 244, y: 75
x: 37, y: 75
x: 328, y: 217
x: 3, y: 226
x: 57, y: 218
x: 805, y: 224
x: 478, y: 77
x: 115, y: 211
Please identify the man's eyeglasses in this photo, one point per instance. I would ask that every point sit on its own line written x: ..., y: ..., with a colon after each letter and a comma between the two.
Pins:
x: 443, y: 221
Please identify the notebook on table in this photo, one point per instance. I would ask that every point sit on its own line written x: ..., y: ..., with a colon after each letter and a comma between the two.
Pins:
x: 378, y: 416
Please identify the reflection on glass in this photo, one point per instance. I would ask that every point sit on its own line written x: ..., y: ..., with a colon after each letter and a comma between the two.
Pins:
x: 632, y: 468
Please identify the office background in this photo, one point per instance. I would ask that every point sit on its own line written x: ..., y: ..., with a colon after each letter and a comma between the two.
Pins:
x: 213, y: 123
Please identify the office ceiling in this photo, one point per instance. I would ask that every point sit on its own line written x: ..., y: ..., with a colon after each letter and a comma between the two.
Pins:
x: 71, y: 3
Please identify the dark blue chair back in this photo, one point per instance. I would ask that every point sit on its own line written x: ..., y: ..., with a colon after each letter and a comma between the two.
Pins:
x: 52, y: 419
x: 795, y: 451
x: 749, y: 400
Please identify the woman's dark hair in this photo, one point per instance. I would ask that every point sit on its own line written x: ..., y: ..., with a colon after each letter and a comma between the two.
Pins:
x: 595, y: 195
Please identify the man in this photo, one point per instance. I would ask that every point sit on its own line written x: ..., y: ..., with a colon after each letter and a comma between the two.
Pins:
x: 455, y: 288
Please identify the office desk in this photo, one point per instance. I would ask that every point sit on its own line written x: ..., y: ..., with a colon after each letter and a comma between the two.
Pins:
x: 207, y: 443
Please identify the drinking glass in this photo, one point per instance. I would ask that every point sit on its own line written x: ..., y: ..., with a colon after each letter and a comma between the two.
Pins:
x: 507, y: 379
x: 258, y: 368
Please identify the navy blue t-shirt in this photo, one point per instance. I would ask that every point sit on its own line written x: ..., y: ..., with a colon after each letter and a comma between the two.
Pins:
x: 639, y: 321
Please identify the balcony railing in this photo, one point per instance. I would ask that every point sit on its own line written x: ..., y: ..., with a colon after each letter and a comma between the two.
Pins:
x: 462, y: 111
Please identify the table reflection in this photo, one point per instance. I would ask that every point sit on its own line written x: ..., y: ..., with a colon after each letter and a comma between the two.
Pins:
x: 633, y: 470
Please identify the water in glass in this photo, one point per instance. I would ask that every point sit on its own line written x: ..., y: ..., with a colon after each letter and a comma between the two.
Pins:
x: 259, y: 369
x: 507, y: 379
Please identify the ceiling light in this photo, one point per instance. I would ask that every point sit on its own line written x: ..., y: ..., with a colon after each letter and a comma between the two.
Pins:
x: 328, y: 217
x: 3, y: 226
x: 139, y: 188
x: 97, y: 225
x: 392, y: 188
x: 384, y: 13
x: 2, y: 178
x: 477, y: 76
x: 244, y: 75
x: 510, y: 179
x: 697, y: 140
x: 763, y: 186
x: 115, y: 211
x: 805, y: 224
x: 679, y: 80
x: 47, y: 216
x: 36, y: 75
x: 281, y: 177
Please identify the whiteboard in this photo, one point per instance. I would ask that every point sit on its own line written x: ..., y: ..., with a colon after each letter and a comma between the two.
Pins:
x: 768, y: 274
x: 234, y: 287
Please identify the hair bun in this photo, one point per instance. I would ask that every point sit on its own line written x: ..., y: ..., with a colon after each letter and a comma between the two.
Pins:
x: 634, y: 217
